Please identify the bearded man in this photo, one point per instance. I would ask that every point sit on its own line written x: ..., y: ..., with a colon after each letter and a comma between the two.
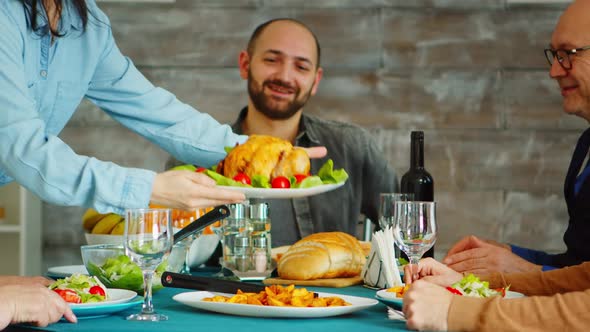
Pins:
x: 281, y: 65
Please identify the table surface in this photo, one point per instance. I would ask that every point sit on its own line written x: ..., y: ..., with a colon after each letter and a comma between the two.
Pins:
x: 184, y: 318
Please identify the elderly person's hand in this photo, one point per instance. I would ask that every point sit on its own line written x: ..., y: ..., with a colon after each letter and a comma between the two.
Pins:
x: 19, y: 280
x: 426, y: 306
x: 32, y: 303
x: 473, y: 255
x: 432, y: 271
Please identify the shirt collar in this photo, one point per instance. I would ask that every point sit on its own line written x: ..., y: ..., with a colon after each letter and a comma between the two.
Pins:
x: 69, y: 17
x: 305, y: 132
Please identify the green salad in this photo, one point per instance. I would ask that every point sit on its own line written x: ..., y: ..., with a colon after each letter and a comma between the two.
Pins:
x: 79, y: 288
x: 121, y: 272
x: 470, y: 285
x: 326, y: 175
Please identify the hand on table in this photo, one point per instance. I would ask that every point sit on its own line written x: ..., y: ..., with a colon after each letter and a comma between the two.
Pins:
x: 473, y: 255
x: 18, y: 280
x: 432, y: 271
x: 426, y: 306
x: 32, y: 303
x: 189, y: 190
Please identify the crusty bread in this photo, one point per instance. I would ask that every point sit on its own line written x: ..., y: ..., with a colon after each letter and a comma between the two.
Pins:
x: 322, y: 256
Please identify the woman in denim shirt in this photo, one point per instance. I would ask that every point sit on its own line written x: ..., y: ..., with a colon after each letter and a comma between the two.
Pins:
x: 53, y: 53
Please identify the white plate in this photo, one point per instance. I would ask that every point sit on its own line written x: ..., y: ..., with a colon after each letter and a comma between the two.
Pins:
x: 115, y: 295
x: 194, y: 299
x: 389, y: 298
x: 285, y: 193
x: 120, y: 299
x: 66, y: 271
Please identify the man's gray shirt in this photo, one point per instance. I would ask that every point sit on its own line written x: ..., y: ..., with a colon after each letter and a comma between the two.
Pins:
x: 350, y: 147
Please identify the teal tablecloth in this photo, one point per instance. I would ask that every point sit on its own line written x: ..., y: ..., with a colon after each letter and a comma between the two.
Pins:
x: 184, y: 318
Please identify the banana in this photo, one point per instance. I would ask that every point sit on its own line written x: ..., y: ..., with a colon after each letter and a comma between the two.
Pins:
x: 119, y: 229
x: 106, y: 224
x: 91, y: 218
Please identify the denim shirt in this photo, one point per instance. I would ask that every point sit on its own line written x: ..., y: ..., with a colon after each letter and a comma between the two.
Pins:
x: 350, y: 147
x: 43, y: 81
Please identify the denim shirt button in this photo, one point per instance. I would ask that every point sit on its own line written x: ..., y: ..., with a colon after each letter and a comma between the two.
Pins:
x: 43, y: 73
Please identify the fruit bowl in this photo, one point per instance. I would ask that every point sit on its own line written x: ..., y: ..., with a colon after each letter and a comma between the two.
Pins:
x: 114, y: 269
x: 103, y: 239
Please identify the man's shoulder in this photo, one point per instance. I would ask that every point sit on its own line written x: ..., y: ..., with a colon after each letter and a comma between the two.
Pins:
x: 324, y: 126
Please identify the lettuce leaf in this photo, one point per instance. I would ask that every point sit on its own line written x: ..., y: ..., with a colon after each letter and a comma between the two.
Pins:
x: 308, y: 182
x: 191, y: 168
x: 224, y: 181
x: 329, y: 175
x: 260, y: 181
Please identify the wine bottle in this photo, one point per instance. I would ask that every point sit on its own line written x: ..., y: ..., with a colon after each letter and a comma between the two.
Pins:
x: 417, y: 180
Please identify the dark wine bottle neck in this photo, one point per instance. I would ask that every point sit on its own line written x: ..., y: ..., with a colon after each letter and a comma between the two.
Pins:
x: 417, y: 153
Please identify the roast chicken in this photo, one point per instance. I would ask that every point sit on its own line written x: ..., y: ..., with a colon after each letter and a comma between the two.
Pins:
x: 267, y: 156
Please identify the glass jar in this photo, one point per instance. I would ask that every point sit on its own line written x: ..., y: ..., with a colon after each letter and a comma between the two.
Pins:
x: 232, y: 227
x: 259, y: 224
x: 260, y: 256
x: 242, y: 253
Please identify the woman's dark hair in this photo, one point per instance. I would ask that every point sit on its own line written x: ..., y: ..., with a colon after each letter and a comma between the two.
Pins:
x: 31, y: 10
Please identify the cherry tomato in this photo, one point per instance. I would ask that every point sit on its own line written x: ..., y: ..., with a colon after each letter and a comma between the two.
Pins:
x: 454, y: 291
x: 243, y: 178
x: 200, y: 169
x: 502, y: 291
x: 300, y: 177
x: 97, y: 290
x: 280, y: 182
x: 68, y: 295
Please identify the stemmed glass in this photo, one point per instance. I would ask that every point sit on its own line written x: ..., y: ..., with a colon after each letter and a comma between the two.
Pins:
x: 387, y: 210
x: 415, y: 228
x: 148, y: 238
x: 387, y: 214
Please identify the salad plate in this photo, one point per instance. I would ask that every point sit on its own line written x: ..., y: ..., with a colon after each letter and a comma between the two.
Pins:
x: 66, y: 271
x: 119, y: 300
x: 251, y: 192
x: 390, y: 298
x: 195, y: 300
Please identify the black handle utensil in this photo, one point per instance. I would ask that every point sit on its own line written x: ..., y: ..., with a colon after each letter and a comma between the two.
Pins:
x: 218, y: 213
x: 177, y: 280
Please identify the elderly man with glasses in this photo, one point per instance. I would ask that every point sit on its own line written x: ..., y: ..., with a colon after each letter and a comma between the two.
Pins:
x: 569, y: 59
x: 557, y: 300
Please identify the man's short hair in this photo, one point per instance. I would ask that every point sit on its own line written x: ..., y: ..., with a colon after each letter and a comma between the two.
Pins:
x: 259, y: 29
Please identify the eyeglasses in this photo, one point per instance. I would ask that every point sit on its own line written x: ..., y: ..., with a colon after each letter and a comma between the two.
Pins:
x: 563, y: 56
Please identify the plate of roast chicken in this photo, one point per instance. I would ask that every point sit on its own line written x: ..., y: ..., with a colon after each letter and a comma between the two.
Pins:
x: 270, y: 167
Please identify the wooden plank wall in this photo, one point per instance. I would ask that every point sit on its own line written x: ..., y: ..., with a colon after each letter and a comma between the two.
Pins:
x: 471, y: 74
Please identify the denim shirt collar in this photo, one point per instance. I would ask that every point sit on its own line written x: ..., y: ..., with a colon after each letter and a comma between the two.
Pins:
x: 69, y: 17
x: 305, y: 133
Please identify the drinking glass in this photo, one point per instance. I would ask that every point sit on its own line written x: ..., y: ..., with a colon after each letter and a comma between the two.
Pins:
x: 415, y: 228
x: 387, y: 207
x: 148, y: 238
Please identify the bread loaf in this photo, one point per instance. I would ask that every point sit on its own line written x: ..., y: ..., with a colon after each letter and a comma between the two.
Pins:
x: 322, y: 256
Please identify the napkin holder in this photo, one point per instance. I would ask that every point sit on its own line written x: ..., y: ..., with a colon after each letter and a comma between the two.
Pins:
x: 380, y: 269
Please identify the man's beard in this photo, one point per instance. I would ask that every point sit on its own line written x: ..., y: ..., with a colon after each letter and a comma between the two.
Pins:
x: 264, y: 103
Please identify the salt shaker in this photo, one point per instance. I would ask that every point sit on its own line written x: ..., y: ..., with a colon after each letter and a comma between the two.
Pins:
x: 232, y: 227
x: 260, y: 254
x: 259, y: 222
x: 242, y: 253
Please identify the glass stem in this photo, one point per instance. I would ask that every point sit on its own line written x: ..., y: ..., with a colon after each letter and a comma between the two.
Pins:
x: 414, y: 266
x: 147, y: 307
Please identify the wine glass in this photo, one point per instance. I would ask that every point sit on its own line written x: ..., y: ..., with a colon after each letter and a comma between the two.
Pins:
x: 387, y: 207
x: 148, y: 238
x: 387, y: 214
x: 415, y: 228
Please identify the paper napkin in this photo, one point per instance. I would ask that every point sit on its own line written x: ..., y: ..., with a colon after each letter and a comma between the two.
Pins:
x: 381, y: 269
